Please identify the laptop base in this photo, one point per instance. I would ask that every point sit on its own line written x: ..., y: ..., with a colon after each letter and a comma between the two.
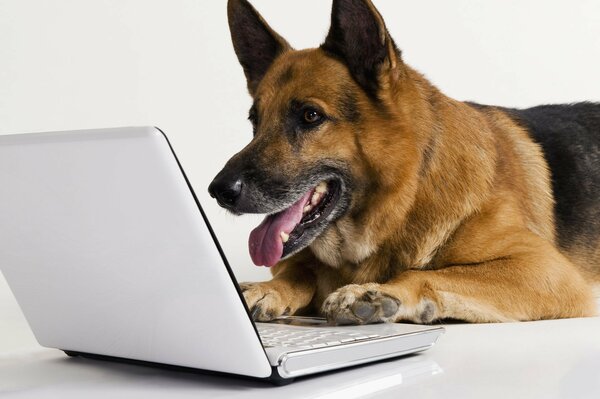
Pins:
x: 274, y: 379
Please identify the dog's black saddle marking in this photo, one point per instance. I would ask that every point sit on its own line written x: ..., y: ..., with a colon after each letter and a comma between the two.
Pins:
x: 570, y: 137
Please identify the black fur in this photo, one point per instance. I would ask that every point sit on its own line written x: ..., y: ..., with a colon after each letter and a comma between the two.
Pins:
x: 285, y: 77
x: 254, y: 117
x: 570, y: 137
x: 255, y: 43
x: 347, y: 107
x: 354, y: 38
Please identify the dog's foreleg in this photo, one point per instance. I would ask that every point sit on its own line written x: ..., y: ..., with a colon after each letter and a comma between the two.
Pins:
x: 291, y: 289
x: 529, y: 285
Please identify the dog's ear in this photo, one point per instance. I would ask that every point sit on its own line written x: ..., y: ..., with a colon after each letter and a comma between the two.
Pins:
x: 359, y: 37
x: 255, y: 43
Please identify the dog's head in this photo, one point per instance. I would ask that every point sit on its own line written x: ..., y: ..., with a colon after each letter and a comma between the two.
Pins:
x: 318, y: 117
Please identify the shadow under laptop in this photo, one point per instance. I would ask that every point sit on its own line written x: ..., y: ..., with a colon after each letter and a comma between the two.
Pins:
x: 50, y: 370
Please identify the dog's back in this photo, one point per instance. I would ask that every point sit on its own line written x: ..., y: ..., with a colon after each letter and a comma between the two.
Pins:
x: 570, y: 137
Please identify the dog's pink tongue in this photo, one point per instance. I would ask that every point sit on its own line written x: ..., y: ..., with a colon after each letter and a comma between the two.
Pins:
x: 265, y: 242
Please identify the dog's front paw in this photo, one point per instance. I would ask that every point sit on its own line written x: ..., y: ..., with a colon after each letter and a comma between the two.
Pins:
x: 360, y: 304
x: 265, y: 301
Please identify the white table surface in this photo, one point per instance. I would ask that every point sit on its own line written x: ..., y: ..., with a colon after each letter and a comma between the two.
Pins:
x: 546, y: 359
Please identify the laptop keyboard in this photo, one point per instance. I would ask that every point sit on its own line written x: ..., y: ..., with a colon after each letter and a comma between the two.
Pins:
x: 308, y: 338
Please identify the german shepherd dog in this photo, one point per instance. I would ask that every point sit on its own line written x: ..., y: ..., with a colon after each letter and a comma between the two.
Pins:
x: 388, y: 201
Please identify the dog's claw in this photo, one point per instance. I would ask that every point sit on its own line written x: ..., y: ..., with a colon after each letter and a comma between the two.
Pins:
x: 255, y: 312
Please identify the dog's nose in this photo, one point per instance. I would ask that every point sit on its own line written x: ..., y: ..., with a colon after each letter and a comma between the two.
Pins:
x: 226, y: 191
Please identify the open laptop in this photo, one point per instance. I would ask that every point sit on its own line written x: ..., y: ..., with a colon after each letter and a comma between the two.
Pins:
x: 110, y: 255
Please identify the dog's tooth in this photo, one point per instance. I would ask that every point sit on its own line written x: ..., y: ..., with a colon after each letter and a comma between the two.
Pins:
x: 321, y: 188
x: 307, y: 208
x: 315, y: 198
x: 284, y: 236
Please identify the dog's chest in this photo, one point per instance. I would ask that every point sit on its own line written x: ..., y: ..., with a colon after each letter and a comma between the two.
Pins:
x: 343, y: 243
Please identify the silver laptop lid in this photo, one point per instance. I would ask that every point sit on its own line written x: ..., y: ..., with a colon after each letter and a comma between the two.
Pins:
x: 106, y: 251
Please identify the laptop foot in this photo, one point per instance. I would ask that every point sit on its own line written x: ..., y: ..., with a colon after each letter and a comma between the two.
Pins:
x: 71, y: 353
x: 276, y: 379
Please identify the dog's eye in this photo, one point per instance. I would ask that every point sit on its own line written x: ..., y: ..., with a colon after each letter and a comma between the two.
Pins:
x: 312, y: 116
x: 305, y: 117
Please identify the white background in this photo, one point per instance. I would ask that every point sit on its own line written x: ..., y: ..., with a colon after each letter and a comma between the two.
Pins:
x: 72, y: 64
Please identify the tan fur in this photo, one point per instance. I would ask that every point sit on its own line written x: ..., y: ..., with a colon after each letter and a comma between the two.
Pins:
x: 452, y: 216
